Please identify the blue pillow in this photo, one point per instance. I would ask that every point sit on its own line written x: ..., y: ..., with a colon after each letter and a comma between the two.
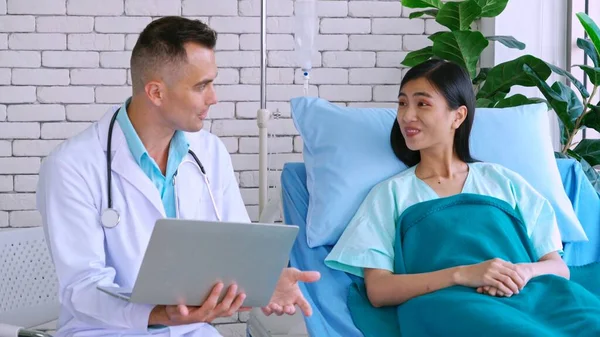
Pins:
x: 347, y: 151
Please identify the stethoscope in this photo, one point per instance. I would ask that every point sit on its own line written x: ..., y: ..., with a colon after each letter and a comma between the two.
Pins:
x: 110, y: 217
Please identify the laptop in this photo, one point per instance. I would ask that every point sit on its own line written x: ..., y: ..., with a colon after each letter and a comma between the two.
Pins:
x: 186, y: 258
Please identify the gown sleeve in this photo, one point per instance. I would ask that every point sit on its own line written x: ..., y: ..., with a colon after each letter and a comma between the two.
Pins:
x: 538, y: 215
x: 368, y: 241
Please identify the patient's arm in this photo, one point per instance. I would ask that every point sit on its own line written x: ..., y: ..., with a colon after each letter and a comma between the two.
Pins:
x: 550, y: 263
x: 386, y: 289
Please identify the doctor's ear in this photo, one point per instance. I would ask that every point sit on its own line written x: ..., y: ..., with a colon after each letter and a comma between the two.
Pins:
x: 155, y: 91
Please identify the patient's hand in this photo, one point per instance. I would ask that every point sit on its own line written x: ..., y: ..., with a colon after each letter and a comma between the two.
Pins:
x: 524, y: 272
x: 287, y: 293
x: 492, y: 291
x: 496, y: 273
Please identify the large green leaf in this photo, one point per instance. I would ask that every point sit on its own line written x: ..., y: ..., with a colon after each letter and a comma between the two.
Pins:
x: 434, y: 36
x: 499, y: 95
x: 491, y: 8
x: 564, y: 133
x: 588, y: 47
x: 422, y: 3
x: 592, y: 73
x: 574, y: 105
x: 591, y: 29
x: 570, y: 76
x: 458, y: 15
x: 484, y: 103
x: 481, y: 76
x: 496, y: 97
x: 572, y: 154
x: 462, y: 47
x: 430, y: 12
x: 503, y: 76
x: 589, y: 149
x: 592, y: 119
x: 508, y: 41
x: 563, y: 99
x: 516, y: 100
x: 418, y: 56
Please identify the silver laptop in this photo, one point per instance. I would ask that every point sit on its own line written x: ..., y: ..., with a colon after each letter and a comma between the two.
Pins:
x: 186, y: 258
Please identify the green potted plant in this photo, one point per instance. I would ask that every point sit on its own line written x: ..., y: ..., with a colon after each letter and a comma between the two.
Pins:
x: 575, y: 113
x: 464, y: 45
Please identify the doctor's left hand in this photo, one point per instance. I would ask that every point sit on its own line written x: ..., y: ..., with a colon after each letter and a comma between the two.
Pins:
x: 209, y: 310
x: 287, y: 293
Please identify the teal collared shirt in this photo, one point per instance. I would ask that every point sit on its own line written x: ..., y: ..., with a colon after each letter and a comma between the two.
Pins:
x: 178, y: 149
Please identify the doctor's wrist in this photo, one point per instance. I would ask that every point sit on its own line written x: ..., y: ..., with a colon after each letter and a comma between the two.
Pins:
x: 158, y: 316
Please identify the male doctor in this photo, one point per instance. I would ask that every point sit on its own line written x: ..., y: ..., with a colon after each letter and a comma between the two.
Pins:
x: 98, y: 218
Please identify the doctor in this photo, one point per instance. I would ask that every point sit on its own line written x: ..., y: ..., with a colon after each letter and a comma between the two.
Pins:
x: 101, y: 192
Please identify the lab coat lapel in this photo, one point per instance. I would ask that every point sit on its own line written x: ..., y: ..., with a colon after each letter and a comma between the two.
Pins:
x: 125, y: 165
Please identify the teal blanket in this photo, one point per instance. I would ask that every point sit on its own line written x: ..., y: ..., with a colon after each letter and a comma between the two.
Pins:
x: 468, y: 229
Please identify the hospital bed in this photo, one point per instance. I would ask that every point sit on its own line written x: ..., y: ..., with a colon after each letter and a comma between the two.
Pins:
x: 28, y: 285
x: 331, y: 317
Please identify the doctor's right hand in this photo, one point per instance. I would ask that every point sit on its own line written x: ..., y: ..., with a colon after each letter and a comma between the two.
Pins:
x: 209, y: 310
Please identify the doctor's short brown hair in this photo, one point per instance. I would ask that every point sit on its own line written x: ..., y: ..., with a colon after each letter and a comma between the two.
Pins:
x: 161, y: 46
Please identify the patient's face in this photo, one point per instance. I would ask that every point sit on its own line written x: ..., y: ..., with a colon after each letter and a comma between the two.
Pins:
x: 424, y: 117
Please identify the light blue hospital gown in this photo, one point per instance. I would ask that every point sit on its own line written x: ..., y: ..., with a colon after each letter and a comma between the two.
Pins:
x: 368, y: 241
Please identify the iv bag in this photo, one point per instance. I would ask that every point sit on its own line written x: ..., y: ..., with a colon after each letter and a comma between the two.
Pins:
x: 306, y: 30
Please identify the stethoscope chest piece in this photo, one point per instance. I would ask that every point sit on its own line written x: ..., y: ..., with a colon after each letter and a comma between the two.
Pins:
x: 110, y: 218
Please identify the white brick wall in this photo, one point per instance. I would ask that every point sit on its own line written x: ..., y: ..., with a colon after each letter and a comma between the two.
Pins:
x: 22, y: 23
x: 45, y: 7
x: 374, y: 9
x: 154, y: 7
x: 20, y: 59
x: 65, y: 24
x: 63, y: 63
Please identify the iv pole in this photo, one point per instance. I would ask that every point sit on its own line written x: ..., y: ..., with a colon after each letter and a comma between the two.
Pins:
x: 263, y: 114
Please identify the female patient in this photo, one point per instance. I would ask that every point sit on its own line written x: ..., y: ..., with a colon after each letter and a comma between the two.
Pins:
x: 431, y: 136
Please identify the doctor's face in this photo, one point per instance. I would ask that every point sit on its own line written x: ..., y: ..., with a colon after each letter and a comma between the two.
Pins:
x: 191, y: 91
x: 424, y: 117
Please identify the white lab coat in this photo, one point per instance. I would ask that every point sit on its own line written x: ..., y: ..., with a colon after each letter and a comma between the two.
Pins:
x: 71, y: 194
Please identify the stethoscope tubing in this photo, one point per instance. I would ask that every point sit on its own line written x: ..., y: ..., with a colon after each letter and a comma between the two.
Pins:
x: 110, y: 217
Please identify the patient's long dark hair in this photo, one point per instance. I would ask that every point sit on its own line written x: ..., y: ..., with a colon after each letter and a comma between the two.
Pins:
x: 454, y: 83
